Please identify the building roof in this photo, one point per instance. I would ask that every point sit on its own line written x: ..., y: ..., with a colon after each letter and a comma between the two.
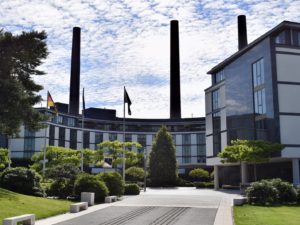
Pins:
x: 277, y: 29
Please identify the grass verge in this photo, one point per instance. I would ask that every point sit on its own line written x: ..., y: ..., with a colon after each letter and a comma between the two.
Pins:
x: 267, y: 215
x: 14, y: 204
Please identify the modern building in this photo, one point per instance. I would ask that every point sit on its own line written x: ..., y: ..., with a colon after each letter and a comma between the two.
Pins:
x: 255, y: 95
x: 102, y: 124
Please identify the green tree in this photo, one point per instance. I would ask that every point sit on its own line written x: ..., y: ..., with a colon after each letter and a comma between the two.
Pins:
x: 115, y: 150
x: 249, y: 151
x: 4, y: 160
x: 163, y: 164
x: 57, y: 155
x: 20, y: 56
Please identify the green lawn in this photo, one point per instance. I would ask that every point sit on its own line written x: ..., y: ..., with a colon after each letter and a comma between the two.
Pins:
x: 13, y: 204
x: 264, y: 215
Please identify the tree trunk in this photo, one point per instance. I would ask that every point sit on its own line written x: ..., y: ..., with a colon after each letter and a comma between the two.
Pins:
x: 255, y: 173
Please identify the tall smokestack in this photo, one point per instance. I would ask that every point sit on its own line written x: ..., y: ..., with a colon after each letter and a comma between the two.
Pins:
x: 242, y: 32
x: 75, y: 73
x: 175, y: 105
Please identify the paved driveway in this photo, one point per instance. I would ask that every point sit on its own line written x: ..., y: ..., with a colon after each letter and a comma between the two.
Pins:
x: 180, y: 206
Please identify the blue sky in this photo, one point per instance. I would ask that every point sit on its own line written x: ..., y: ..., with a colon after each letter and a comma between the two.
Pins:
x: 126, y: 43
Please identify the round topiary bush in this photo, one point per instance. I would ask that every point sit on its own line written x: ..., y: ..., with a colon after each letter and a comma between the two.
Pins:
x: 113, y: 181
x: 90, y: 183
x: 61, y: 188
x: 21, y: 180
x: 134, y: 173
x: 262, y: 192
x: 298, y: 194
x: 132, y: 189
x: 286, y: 191
x: 199, y: 174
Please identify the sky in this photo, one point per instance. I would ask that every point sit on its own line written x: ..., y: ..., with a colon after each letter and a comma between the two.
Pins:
x: 126, y: 43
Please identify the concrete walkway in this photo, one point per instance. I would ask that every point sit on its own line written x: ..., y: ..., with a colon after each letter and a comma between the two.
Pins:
x: 157, y: 206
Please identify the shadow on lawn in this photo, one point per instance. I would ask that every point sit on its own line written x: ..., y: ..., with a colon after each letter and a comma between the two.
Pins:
x: 6, y: 194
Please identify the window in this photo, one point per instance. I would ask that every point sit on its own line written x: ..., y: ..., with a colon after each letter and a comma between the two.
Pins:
x: 186, y: 154
x: 281, y: 38
x: 71, y: 122
x: 29, y: 143
x: 259, y: 88
x: 186, y: 139
x: 215, y: 100
x: 73, y: 139
x: 260, y: 101
x: 51, y: 135
x: 113, y: 137
x: 219, y: 76
x: 98, y: 139
x: 128, y: 137
x: 59, y: 119
x: 61, y: 136
x: 86, y: 139
x: 200, y: 139
x: 258, y: 73
x: 142, y: 139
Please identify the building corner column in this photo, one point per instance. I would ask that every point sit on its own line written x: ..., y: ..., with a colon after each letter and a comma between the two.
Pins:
x: 244, y: 173
x: 296, y: 173
x: 216, y: 177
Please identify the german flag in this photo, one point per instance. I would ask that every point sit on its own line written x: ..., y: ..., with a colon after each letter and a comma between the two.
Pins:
x: 50, y: 103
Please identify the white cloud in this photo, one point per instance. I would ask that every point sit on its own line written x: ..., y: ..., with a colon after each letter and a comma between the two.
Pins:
x: 126, y: 43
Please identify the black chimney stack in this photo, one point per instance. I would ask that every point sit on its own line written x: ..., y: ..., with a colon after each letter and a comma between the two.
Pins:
x: 75, y: 73
x: 242, y: 32
x: 175, y: 105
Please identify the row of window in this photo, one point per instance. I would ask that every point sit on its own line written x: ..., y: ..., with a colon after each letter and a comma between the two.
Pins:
x: 74, y: 122
x: 288, y: 37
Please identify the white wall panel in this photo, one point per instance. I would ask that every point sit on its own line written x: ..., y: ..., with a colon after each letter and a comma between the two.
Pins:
x: 222, y: 96
x: 209, y: 146
x: 288, y: 67
x: 289, y: 129
x: 67, y: 138
x: 223, y: 140
x: 105, y: 137
x: 223, y: 120
x: 193, y: 139
x: 208, y: 101
x: 208, y: 124
x: 288, y: 96
x: 291, y: 152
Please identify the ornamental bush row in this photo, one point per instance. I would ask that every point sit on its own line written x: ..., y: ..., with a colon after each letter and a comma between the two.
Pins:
x: 272, y: 192
x: 62, y: 182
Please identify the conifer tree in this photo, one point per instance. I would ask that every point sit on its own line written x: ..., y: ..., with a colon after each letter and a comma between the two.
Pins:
x: 163, y: 164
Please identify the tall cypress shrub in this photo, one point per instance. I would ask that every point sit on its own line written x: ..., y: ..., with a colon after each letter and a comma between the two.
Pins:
x: 163, y: 164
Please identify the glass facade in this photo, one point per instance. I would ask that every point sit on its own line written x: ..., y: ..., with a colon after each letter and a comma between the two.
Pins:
x: 217, y: 77
x: 61, y: 136
x: 86, y: 139
x: 186, y: 148
x: 51, y: 135
x: 98, y: 139
x: 29, y: 143
x: 113, y: 137
x: 73, y: 139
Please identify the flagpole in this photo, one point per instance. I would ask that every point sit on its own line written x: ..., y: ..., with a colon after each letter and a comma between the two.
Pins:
x: 44, y: 149
x: 82, y: 127
x: 124, y: 136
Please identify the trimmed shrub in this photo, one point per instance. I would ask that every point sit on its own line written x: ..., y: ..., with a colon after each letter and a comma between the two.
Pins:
x: 134, y: 173
x: 90, y: 183
x: 199, y: 174
x: 262, y: 192
x: 132, y: 189
x: 21, y: 180
x: 286, y: 191
x: 298, y: 194
x: 204, y: 184
x: 113, y: 181
x: 61, y: 188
